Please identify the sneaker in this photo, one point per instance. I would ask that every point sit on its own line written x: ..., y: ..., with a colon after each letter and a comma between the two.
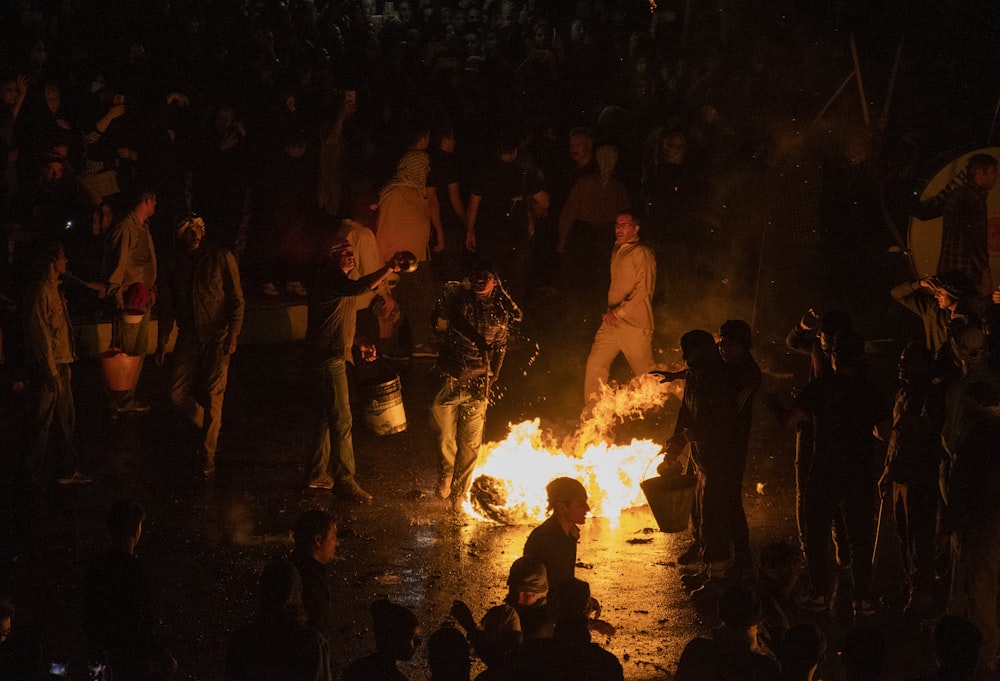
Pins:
x: 693, y: 581
x: 270, y: 290
x: 296, y: 289
x: 77, y: 478
x: 457, y: 504
x: 692, y: 554
x: 322, y: 482
x: 709, y: 591
x: 444, y: 487
x: 132, y: 407
x: 863, y: 607
x: 353, y: 491
x: 811, y: 603
x: 424, y: 351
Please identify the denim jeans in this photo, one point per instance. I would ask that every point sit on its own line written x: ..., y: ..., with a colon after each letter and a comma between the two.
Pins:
x: 198, y: 387
x: 459, y: 415
x: 336, y: 409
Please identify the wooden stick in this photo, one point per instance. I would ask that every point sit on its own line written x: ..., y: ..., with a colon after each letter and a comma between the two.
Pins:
x: 884, y: 118
x: 861, y: 84
x: 832, y: 99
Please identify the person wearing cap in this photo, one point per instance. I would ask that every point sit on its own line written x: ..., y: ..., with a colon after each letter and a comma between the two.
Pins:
x: 945, y: 305
x: 199, y: 290
x: 131, y: 257
x: 330, y: 334
x: 705, y: 422
x: 844, y: 408
x: 524, y: 615
x: 472, y: 353
x: 627, y: 324
x: 971, y: 437
x: 554, y: 541
x: 964, y: 225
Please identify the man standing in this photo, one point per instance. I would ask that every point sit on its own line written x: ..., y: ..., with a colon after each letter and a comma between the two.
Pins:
x: 200, y: 290
x: 707, y: 422
x: 447, y: 209
x: 500, y: 218
x: 963, y: 232
x: 130, y: 254
x: 627, y: 325
x: 471, y: 356
x: 330, y: 332
x: 735, y: 343
x: 315, y: 548
x: 50, y: 352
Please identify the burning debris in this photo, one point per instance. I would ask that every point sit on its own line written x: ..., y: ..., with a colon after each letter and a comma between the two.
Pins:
x: 510, y: 486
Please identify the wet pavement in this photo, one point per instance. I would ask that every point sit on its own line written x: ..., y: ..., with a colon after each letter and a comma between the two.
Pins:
x: 205, y: 542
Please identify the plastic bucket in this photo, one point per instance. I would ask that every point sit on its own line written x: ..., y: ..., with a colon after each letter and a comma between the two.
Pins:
x: 383, y: 404
x: 670, y: 500
x: 119, y: 371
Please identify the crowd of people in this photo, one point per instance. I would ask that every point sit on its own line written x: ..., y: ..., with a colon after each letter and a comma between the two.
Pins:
x: 366, y: 156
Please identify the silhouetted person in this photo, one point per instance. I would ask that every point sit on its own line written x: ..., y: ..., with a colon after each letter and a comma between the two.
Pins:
x: 733, y: 652
x: 448, y: 655
x: 397, y: 637
x: 569, y: 655
x: 956, y: 648
x: 20, y: 656
x: 118, y: 615
x: 277, y: 644
x: 863, y: 655
x: 315, y: 548
x: 554, y: 541
x: 802, y: 652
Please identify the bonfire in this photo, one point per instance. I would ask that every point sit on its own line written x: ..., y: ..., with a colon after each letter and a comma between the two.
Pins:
x: 510, y: 483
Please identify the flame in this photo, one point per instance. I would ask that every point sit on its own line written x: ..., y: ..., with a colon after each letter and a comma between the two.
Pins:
x: 527, y: 459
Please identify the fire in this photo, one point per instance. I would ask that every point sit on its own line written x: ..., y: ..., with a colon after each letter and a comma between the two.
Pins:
x: 514, y: 472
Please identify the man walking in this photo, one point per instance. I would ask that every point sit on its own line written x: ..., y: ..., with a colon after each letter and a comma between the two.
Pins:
x: 471, y: 356
x: 627, y: 325
x: 200, y: 290
x: 130, y: 254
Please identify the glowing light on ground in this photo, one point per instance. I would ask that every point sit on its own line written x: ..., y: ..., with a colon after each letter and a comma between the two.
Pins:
x: 510, y: 483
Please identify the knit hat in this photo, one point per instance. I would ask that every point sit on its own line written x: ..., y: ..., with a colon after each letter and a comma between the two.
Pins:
x: 563, y: 490
x: 528, y: 574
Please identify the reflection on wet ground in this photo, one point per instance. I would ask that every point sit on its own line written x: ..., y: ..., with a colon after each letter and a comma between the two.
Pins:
x: 205, y: 542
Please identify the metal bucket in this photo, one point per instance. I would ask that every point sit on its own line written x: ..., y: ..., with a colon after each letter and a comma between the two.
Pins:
x: 670, y: 500
x: 119, y: 371
x: 383, y: 404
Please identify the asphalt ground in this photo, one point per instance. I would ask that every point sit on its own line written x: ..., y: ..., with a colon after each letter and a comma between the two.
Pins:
x: 205, y: 541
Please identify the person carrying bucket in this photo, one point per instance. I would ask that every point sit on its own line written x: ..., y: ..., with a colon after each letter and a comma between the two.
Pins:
x: 330, y: 333
x: 479, y: 320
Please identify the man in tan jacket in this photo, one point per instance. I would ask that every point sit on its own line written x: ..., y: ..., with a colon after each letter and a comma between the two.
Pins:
x: 627, y: 325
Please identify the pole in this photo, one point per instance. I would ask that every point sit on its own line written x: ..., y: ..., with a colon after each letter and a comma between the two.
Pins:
x: 884, y: 118
x: 861, y: 84
x: 832, y: 99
